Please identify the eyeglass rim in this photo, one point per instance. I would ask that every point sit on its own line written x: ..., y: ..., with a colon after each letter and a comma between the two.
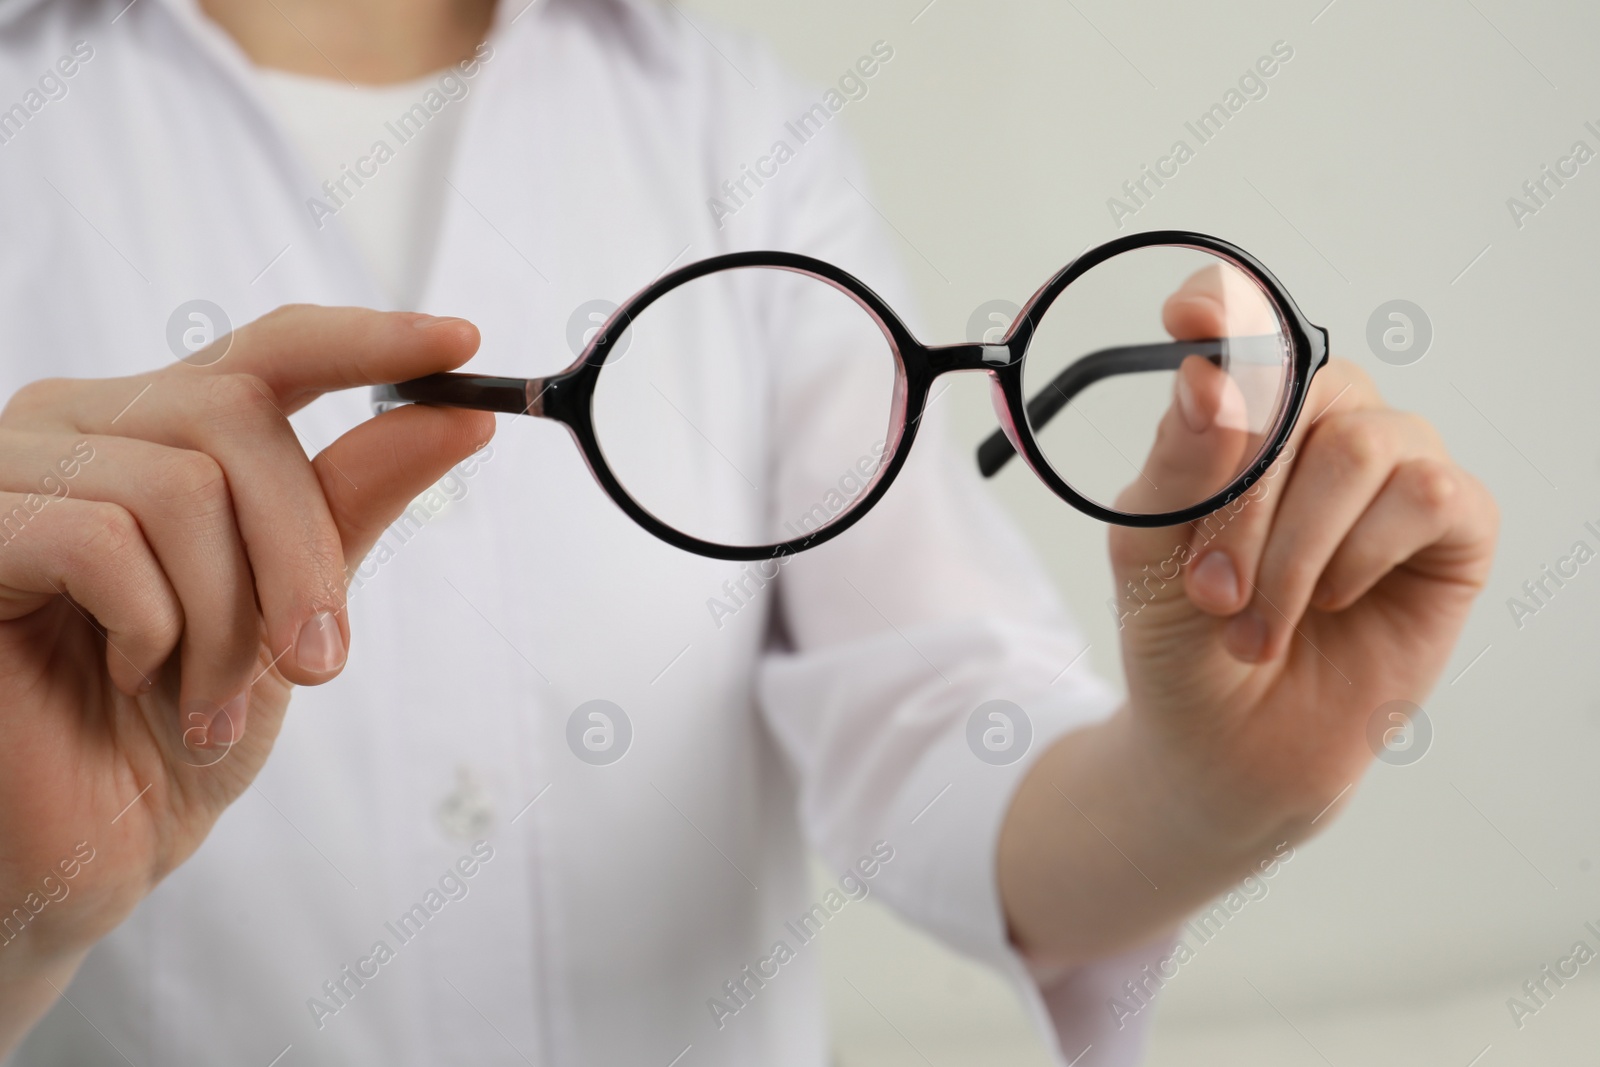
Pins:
x: 568, y: 396
x: 1308, y: 345
x: 575, y: 393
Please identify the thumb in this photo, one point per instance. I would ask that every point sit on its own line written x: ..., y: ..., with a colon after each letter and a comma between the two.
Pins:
x: 374, y: 471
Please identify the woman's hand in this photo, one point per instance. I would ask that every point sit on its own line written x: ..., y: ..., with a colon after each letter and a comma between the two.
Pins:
x: 171, y: 565
x: 1258, y: 643
x: 1338, y: 584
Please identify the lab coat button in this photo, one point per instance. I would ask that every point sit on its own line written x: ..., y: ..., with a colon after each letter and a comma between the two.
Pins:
x: 468, y: 812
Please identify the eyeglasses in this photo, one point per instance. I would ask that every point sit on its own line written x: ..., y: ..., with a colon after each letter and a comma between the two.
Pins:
x: 758, y: 404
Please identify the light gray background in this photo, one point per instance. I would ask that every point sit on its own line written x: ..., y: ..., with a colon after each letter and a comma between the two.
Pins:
x: 1378, y: 167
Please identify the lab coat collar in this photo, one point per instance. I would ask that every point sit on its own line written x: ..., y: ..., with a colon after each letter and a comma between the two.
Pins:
x: 617, y: 13
x: 629, y: 21
x: 636, y: 25
x: 186, y: 13
x: 13, y: 10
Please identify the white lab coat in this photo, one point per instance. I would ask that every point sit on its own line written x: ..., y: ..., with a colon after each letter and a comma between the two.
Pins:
x: 618, y: 901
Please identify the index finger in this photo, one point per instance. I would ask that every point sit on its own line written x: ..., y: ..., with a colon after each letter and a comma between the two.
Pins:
x: 302, y: 350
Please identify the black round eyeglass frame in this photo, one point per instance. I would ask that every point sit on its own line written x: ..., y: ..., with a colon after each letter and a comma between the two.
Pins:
x: 568, y: 396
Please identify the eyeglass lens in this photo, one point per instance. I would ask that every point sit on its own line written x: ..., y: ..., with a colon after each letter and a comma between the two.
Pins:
x: 748, y: 407
x: 1156, y: 378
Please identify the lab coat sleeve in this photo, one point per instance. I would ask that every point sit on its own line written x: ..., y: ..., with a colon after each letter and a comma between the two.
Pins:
x: 896, y: 632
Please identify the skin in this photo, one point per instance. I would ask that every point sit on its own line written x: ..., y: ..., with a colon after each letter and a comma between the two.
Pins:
x: 1252, y: 675
x: 365, y: 42
x: 211, y: 553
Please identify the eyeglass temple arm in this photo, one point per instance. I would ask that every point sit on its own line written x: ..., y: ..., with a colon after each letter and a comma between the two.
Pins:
x: 996, y: 450
x: 513, y: 396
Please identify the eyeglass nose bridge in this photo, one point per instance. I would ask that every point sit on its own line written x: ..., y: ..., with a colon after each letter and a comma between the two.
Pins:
x: 967, y: 356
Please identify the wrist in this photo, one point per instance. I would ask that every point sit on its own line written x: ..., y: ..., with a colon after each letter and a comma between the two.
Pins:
x: 1217, y: 794
x: 1114, y: 836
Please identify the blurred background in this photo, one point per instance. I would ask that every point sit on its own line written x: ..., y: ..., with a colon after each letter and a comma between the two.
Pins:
x: 1379, y: 166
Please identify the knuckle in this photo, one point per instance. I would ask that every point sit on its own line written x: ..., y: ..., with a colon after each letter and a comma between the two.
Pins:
x: 111, y: 543
x: 111, y: 534
x: 1357, y: 444
x: 1434, y: 486
x: 191, y: 478
x: 1295, y: 572
x: 95, y: 538
x: 288, y: 311
x: 162, y: 619
x: 36, y: 398
x: 325, y: 575
x: 233, y: 397
x: 282, y: 317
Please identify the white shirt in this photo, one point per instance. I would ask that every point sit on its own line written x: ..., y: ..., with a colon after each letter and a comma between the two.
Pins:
x: 618, y: 902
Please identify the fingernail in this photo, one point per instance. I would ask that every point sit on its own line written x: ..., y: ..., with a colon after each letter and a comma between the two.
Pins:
x: 1216, y: 578
x: 1189, y: 406
x: 320, y: 649
x: 227, y: 725
x: 1246, y: 636
x: 206, y: 725
x: 428, y: 322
